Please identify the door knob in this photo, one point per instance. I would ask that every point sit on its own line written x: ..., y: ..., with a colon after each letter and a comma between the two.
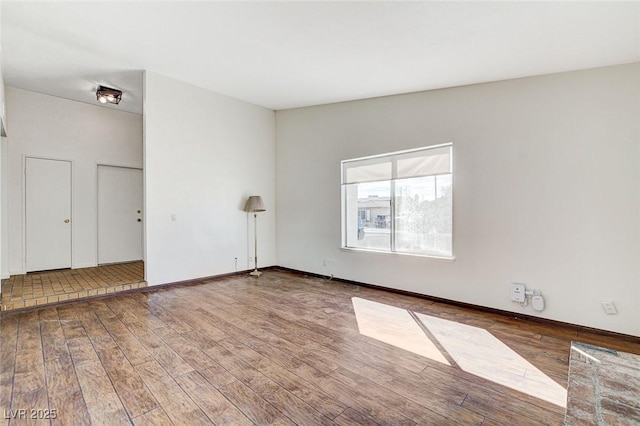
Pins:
x: 66, y: 221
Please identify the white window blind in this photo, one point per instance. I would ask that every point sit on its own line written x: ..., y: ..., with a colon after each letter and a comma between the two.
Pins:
x: 401, y: 165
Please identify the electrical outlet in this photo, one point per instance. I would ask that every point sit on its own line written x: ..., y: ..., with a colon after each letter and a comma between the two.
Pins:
x: 609, y: 307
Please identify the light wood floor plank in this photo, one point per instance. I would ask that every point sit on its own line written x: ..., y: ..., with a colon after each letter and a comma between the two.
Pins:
x: 29, y: 375
x: 53, y: 340
x: 173, y: 400
x: 130, y: 346
x: 65, y: 395
x: 155, y: 305
x: 253, y: 406
x: 129, y: 303
x: 320, y: 361
x: 28, y: 401
x: 218, y: 376
x: 173, y: 363
x: 95, y: 330
x: 103, y: 403
x: 258, y: 382
x: 211, y: 401
x: 187, y: 350
x: 8, y: 347
x: 351, y: 417
x: 357, y: 398
x: 305, y: 391
x: 297, y: 410
x: 132, y: 391
x: 155, y: 417
x: 432, y: 409
x: 82, y: 352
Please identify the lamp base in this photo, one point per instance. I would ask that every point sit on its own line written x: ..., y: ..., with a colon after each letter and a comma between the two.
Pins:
x: 255, y: 273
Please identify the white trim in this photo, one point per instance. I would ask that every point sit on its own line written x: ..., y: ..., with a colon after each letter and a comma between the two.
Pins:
x: 397, y: 253
x: 83, y: 265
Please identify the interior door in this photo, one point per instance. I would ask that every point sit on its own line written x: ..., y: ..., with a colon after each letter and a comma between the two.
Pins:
x: 48, y: 214
x: 119, y: 214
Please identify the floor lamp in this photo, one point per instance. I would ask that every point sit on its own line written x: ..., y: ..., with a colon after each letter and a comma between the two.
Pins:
x: 255, y: 205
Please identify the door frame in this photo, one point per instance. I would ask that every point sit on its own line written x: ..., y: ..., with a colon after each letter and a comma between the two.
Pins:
x: 142, y: 236
x: 24, y: 204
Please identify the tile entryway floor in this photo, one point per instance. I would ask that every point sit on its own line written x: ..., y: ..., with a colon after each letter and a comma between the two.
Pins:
x: 41, y: 288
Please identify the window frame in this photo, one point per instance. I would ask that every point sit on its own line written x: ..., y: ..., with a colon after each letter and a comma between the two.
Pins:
x: 392, y: 213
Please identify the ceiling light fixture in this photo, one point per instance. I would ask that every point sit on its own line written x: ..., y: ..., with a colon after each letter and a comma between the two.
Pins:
x: 107, y: 94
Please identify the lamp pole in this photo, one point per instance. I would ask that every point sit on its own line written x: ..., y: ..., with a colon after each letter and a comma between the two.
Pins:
x: 255, y: 272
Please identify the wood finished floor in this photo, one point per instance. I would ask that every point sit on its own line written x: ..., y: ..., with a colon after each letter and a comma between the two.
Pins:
x: 281, y: 349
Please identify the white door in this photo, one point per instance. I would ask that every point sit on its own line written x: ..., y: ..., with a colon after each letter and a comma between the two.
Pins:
x: 119, y: 214
x: 48, y: 214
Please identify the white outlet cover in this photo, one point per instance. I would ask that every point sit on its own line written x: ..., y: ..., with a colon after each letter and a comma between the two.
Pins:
x: 609, y: 307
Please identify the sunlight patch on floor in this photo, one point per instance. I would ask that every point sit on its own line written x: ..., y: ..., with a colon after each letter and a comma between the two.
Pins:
x: 474, y: 349
x: 394, y: 326
x: 479, y: 352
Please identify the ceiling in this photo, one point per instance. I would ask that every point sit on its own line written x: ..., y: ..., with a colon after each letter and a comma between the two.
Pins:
x: 292, y: 54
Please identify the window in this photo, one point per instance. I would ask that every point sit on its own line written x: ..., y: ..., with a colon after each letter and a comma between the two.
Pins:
x: 400, y: 202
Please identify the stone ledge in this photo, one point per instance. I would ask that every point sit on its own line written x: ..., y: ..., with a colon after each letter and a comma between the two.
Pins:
x: 603, y: 388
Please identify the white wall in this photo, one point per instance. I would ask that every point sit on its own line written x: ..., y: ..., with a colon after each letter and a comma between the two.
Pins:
x: 546, y: 191
x: 3, y: 124
x: 4, y: 217
x: 204, y: 155
x: 50, y: 127
x: 4, y: 238
x: 3, y: 106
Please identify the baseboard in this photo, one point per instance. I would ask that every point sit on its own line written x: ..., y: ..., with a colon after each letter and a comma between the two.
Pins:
x: 512, y: 315
x: 83, y: 265
x: 196, y: 281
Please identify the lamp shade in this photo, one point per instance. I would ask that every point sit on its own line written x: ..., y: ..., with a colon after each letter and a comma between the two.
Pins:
x: 254, y: 204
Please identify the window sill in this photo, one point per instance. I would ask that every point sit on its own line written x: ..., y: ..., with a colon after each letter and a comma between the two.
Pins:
x: 389, y: 253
